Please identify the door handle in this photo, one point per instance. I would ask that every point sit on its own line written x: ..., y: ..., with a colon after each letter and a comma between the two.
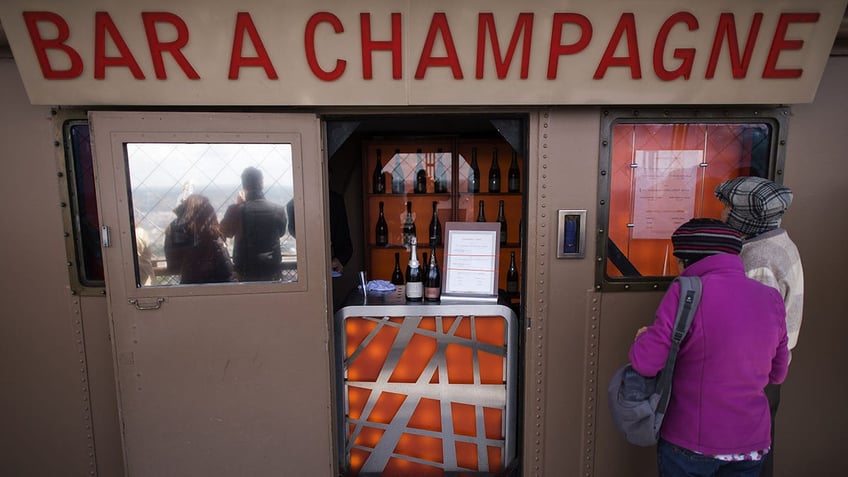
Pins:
x: 147, y: 303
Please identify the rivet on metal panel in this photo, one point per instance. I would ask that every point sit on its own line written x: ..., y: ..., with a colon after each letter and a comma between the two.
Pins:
x: 603, y: 173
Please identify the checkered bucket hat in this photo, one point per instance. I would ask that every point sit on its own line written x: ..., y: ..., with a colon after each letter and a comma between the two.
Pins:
x: 757, y: 204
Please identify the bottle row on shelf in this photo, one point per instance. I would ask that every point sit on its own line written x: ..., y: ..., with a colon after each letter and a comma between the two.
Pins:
x: 435, y: 236
x: 423, y: 279
x: 403, y: 168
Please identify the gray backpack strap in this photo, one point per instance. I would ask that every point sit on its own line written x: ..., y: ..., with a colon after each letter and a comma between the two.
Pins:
x: 690, y: 296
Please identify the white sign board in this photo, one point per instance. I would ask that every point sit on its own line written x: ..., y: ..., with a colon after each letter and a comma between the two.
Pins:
x: 665, y: 191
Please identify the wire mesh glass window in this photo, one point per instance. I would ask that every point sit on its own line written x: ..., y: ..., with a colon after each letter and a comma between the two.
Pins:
x: 658, y: 172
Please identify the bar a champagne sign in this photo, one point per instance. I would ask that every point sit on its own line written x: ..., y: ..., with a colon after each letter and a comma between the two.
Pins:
x: 468, y: 52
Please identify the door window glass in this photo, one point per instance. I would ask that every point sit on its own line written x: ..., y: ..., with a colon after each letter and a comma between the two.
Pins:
x: 211, y: 212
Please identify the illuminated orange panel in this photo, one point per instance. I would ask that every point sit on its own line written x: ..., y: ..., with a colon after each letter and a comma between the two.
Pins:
x: 466, y: 455
x: 427, y: 415
x: 386, y: 407
x: 464, y: 328
x: 368, y: 437
x: 491, y: 330
x: 356, y: 330
x: 493, y: 419
x: 464, y: 420
x: 403, y: 468
x: 414, y: 359
x: 367, y: 366
x: 491, y: 368
x: 421, y: 447
x: 427, y: 323
x: 356, y: 399
x: 460, y: 365
x: 357, y: 459
x: 495, y: 458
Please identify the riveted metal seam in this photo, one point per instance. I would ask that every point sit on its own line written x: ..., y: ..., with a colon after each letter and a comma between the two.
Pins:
x: 86, y: 415
x: 538, y: 346
x: 590, y: 386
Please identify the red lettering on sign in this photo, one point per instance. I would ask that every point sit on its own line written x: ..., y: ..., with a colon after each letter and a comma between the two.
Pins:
x: 41, y: 45
x: 727, y: 29
x: 369, y: 45
x: 438, y: 25
x: 244, y: 24
x: 686, y: 55
x: 557, y: 48
x: 780, y: 43
x: 158, y: 47
x: 103, y: 24
x: 486, y: 24
x: 626, y: 25
x: 309, y: 45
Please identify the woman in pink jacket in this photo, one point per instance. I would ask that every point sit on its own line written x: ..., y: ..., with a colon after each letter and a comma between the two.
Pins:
x: 718, y: 419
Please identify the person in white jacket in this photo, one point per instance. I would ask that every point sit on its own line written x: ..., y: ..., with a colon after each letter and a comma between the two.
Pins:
x: 754, y: 206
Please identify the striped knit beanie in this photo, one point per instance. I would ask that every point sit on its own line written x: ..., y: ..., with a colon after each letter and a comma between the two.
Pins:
x: 757, y: 204
x: 699, y: 238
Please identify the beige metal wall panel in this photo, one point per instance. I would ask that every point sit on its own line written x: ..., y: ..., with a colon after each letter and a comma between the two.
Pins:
x: 562, y: 175
x: 44, y: 409
x: 812, y: 420
x: 103, y: 390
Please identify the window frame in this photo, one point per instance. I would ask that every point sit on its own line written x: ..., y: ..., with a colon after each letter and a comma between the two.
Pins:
x: 64, y: 120
x: 776, y: 117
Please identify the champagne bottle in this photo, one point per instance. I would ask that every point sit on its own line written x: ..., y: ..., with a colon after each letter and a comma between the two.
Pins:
x: 408, y: 225
x: 424, y: 264
x: 435, y: 226
x: 397, y: 276
x: 433, y: 278
x: 495, y: 173
x: 397, y: 175
x: 420, y: 174
x: 512, y: 276
x: 414, y: 288
x: 382, y: 232
x: 440, y: 181
x: 502, y: 220
x: 378, y: 180
x: 481, y: 214
x: 474, y: 173
x: 513, y: 183
x: 520, y: 229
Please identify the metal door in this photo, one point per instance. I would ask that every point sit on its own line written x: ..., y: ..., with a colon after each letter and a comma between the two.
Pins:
x: 217, y: 377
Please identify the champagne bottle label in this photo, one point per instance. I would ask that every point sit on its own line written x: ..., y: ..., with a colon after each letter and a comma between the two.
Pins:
x: 414, y: 291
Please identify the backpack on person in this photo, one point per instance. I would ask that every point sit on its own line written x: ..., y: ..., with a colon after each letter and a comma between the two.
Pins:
x: 638, y: 403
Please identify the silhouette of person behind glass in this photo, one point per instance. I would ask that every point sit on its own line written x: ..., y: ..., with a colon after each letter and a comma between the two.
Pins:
x: 194, y: 247
x: 341, y: 247
x: 256, y: 225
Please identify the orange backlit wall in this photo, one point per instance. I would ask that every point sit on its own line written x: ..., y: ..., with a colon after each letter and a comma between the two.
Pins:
x: 728, y: 151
